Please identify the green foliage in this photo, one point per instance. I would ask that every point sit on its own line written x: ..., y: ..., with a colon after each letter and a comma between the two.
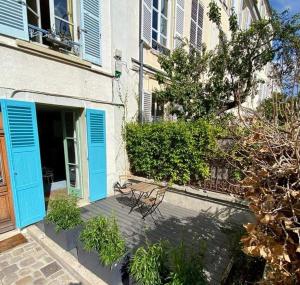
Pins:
x: 186, y: 265
x: 205, y: 82
x: 161, y: 264
x: 148, y: 264
x: 102, y: 234
x: 64, y: 213
x: 172, y: 151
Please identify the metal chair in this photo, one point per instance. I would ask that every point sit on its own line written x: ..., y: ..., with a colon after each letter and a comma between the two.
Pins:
x: 152, y: 202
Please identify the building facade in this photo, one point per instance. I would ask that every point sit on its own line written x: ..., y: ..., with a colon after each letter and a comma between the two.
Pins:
x: 69, y: 80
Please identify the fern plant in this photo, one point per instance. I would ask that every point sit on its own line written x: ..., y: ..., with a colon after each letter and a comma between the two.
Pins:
x: 64, y: 213
x: 102, y: 234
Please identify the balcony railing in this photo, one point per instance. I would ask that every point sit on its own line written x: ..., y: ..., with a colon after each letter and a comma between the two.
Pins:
x: 55, y: 40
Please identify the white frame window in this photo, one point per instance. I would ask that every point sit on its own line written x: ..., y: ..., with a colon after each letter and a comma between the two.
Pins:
x: 160, y: 31
x: 54, y: 17
x: 196, y: 32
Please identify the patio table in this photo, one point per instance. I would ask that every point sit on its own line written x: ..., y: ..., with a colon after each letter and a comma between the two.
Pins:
x: 140, y: 190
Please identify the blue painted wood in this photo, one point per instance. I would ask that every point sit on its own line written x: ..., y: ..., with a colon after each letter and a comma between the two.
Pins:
x: 13, y: 19
x: 91, y: 30
x: 22, y: 143
x: 96, y: 137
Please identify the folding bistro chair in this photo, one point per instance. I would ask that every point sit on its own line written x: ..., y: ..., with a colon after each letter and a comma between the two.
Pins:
x: 152, y: 202
x: 123, y: 187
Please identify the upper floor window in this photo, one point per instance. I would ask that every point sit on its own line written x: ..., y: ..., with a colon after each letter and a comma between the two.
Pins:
x: 159, y: 23
x: 196, y: 24
x: 56, y: 24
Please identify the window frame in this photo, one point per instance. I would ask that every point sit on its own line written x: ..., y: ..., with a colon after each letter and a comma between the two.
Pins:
x: 195, y: 45
x: 158, y: 30
x: 74, y: 24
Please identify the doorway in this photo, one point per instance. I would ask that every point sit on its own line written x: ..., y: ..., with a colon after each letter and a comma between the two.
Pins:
x: 59, y: 148
x: 7, y: 218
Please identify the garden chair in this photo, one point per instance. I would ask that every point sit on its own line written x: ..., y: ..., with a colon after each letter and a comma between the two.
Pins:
x: 153, y: 202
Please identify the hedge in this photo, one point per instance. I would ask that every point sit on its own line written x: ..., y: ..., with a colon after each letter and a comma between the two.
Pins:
x: 172, y: 151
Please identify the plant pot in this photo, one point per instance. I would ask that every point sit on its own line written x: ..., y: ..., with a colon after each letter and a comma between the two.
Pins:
x: 67, y: 239
x: 117, y: 274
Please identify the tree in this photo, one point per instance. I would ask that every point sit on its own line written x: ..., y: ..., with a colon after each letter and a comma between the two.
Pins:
x: 199, y: 83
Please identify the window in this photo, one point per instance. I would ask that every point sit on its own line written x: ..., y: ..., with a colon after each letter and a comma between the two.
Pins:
x: 159, y: 24
x: 196, y: 24
x: 152, y: 109
x: 51, y: 16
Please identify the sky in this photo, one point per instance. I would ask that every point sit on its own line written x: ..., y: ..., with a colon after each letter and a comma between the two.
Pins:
x: 280, y: 5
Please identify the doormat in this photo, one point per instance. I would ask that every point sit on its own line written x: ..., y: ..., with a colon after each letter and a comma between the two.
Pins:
x: 12, y: 242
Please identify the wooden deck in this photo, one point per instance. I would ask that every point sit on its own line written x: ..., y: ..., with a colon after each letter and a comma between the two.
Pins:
x: 175, y: 225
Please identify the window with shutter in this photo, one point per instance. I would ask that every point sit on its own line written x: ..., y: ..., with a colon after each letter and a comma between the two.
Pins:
x: 13, y: 19
x: 179, y: 23
x: 197, y: 14
x: 91, y: 27
x: 147, y: 105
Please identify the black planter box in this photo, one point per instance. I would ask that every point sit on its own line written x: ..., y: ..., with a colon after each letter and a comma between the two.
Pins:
x: 67, y: 239
x: 117, y: 274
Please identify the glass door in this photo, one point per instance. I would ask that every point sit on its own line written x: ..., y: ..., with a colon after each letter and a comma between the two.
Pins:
x: 71, y: 149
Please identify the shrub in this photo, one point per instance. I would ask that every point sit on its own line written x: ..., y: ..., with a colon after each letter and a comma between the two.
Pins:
x: 161, y: 264
x: 64, y: 213
x: 103, y: 235
x: 173, y: 151
x: 148, y: 264
x: 186, y: 265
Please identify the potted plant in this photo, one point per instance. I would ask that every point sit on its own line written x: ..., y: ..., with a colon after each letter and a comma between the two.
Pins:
x: 148, y: 265
x: 101, y: 249
x: 63, y: 221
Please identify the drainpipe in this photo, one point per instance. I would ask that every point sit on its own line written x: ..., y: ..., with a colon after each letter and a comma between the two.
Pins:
x: 141, y: 60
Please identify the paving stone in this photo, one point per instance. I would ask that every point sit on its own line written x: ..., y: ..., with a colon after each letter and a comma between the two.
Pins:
x: 37, y: 274
x: 50, y: 269
x: 27, y: 280
x: 38, y: 248
x: 10, y: 279
x: 27, y: 261
x: 17, y: 251
x: 15, y: 259
x: 38, y: 265
x: 48, y: 259
x: 5, y: 256
x: 40, y: 281
x: 3, y: 264
x: 10, y: 269
x: 24, y: 271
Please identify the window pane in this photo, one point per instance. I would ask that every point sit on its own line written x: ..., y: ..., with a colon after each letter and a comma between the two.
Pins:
x: 154, y: 35
x: 164, y: 7
x: 31, y: 4
x: 71, y: 151
x: 74, y: 176
x: 163, y: 41
x: 70, y: 128
x: 154, y: 44
x: 155, y: 4
x: 155, y: 20
x: 64, y: 29
x: 163, y: 26
x: 64, y: 9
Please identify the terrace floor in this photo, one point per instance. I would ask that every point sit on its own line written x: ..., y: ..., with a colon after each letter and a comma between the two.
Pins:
x: 177, y: 224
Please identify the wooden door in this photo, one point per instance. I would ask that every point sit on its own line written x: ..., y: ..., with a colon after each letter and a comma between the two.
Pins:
x: 7, y: 217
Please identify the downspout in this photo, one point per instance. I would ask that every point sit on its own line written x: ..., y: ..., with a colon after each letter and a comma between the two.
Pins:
x: 141, y: 60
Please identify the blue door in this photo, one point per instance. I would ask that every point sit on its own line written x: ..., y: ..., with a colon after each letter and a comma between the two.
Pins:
x: 20, y: 127
x: 96, y: 154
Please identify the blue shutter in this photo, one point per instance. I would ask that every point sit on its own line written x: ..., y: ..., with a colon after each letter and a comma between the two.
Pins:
x: 96, y: 154
x: 13, y: 18
x: 21, y: 135
x: 91, y: 30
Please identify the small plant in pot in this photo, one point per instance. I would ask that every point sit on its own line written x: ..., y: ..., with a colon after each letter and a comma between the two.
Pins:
x: 102, y: 250
x: 148, y: 265
x: 63, y: 221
